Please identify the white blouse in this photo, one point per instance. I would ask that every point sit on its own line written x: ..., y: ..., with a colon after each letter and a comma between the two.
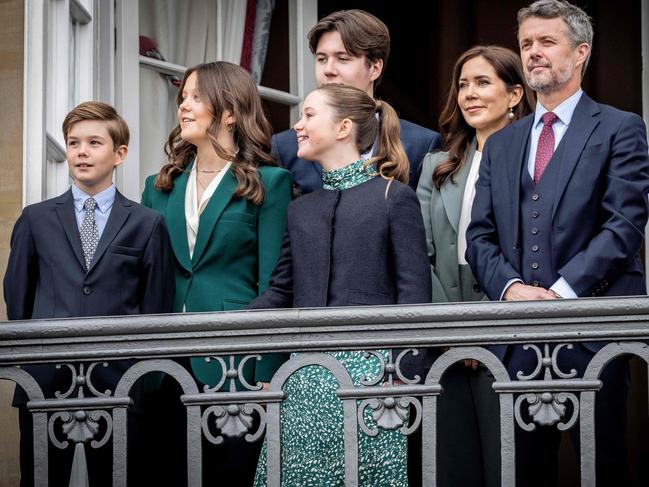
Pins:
x: 467, y: 203
x: 193, y: 207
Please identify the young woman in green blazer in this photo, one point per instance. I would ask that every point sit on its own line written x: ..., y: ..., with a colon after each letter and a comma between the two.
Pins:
x: 487, y: 92
x: 224, y: 201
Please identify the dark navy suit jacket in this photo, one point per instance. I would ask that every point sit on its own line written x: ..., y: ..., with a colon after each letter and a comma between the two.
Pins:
x: 599, y: 211
x: 132, y: 271
x: 307, y: 175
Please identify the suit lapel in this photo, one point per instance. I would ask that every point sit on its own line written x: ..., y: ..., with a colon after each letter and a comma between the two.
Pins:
x: 212, y: 212
x: 175, y: 219
x: 66, y: 214
x: 517, y: 165
x: 582, y: 124
x: 453, y: 194
x: 119, y: 213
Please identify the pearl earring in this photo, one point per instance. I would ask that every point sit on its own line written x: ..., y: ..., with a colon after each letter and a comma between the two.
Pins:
x: 511, y: 115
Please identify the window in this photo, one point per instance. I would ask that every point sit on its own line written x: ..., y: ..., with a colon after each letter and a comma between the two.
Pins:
x: 78, y: 50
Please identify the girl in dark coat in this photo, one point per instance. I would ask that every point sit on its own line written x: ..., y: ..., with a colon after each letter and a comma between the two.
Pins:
x: 358, y: 241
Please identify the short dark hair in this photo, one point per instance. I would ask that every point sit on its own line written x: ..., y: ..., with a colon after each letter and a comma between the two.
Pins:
x: 103, y: 112
x: 580, y: 27
x: 362, y: 34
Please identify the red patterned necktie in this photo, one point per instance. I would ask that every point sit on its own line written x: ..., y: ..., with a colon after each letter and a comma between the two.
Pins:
x: 545, y: 147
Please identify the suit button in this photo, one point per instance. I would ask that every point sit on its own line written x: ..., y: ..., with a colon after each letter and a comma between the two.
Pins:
x: 535, y: 248
x: 187, y: 274
x: 536, y: 283
x: 87, y: 290
x: 535, y: 265
x: 476, y: 288
x: 535, y: 231
x: 535, y: 197
x: 535, y: 214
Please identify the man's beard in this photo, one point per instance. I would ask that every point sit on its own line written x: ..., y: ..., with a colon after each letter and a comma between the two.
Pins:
x: 549, y: 82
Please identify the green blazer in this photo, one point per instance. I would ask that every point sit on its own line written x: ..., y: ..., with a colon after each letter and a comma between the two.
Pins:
x: 236, y: 250
x: 441, y: 210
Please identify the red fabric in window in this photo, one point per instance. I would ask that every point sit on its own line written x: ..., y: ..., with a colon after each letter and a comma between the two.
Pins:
x: 248, y: 34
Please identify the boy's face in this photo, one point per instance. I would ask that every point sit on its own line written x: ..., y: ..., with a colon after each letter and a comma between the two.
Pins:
x: 91, y: 155
x: 334, y: 65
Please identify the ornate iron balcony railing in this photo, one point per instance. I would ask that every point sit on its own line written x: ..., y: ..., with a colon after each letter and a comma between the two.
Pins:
x: 83, y: 344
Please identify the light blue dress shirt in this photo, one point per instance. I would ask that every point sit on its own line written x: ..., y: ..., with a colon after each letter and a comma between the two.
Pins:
x: 564, y: 113
x: 104, y: 199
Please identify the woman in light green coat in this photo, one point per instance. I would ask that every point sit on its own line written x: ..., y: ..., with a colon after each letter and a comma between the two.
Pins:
x: 487, y: 92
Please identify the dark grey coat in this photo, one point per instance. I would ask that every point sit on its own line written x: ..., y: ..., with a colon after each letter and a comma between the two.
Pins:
x: 359, y: 246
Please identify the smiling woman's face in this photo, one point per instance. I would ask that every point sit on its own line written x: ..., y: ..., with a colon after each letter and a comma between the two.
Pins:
x: 482, y: 96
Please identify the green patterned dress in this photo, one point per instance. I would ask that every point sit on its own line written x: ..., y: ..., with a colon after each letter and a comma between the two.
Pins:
x: 312, y: 433
x: 312, y: 416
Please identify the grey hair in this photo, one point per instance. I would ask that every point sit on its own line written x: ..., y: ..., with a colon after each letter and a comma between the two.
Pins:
x: 580, y: 27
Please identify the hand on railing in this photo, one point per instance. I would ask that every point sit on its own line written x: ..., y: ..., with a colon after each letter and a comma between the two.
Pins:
x: 522, y: 292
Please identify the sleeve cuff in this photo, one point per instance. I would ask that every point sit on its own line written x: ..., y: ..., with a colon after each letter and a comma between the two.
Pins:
x: 509, y: 283
x: 563, y: 289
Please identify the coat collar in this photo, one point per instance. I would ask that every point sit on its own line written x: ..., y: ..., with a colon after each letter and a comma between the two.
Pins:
x: 118, y: 216
x: 219, y: 200
x: 65, y: 211
x: 453, y: 193
x: 584, y: 120
x: 175, y: 219
x: 518, y: 143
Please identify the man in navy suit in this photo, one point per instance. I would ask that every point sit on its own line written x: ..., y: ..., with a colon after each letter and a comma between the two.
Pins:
x: 351, y: 47
x: 88, y: 252
x: 560, y: 212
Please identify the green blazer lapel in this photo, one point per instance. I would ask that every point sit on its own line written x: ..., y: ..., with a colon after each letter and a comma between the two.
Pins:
x: 212, y: 212
x: 453, y: 193
x: 119, y: 213
x: 175, y: 219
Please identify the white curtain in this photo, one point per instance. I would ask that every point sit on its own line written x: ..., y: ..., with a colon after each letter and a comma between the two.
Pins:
x: 234, y: 23
x: 185, y: 33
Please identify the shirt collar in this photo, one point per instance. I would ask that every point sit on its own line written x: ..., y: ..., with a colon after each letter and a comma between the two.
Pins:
x: 104, y: 199
x: 564, y: 111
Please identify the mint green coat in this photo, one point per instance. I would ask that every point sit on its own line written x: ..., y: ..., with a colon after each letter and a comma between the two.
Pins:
x: 236, y: 250
x: 440, y: 209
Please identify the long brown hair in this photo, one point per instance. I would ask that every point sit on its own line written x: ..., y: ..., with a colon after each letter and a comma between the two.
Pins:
x: 225, y: 86
x: 456, y: 133
x: 361, y: 109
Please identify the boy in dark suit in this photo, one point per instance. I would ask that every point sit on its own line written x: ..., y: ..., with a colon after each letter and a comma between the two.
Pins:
x: 88, y: 252
x: 351, y: 47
